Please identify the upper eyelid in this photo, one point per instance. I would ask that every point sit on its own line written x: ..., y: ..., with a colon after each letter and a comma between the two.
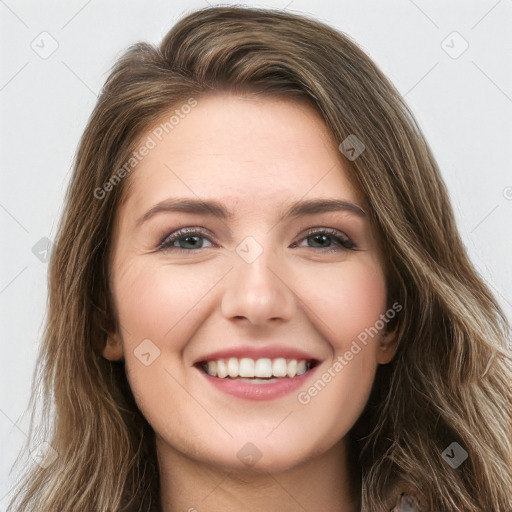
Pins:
x: 185, y: 231
x: 193, y: 229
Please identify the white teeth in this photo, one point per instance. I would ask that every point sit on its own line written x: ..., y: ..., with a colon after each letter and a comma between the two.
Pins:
x: 279, y: 368
x: 233, y: 367
x: 263, y: 368
x: 221, y: 369
x: 211, y: 368
x: 247, y: 368
x: 292, y: 368
x: 301, y: 367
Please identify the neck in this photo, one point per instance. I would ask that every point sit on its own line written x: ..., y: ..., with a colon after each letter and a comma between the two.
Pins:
x: 320, y: 483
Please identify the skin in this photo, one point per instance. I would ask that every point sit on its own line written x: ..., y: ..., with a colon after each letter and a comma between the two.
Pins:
x: 255, y: 156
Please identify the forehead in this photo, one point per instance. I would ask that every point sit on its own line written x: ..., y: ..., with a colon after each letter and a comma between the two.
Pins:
x: 263, y: 149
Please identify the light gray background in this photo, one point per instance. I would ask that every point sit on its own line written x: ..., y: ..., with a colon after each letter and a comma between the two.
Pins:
x: 463, y: 105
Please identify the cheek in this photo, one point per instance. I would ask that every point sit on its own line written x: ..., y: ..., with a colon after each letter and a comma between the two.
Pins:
x: 350, y: 303
x: 157, y: 301
x: 348, y: 311
x: 159, y: 308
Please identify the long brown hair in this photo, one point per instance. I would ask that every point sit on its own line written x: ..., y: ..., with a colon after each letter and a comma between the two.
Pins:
x: 450, y: 379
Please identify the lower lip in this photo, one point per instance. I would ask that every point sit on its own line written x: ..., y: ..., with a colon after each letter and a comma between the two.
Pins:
x: 261, y: 391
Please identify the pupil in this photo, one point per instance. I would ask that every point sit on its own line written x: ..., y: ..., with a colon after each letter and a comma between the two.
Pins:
x: 321, y: 238
x: 190, y: 237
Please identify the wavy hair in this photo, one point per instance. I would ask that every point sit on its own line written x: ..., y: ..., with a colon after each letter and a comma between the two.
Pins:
x: 450, y: 378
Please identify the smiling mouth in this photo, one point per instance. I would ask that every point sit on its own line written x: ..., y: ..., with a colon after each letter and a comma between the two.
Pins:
x: 256, y: 370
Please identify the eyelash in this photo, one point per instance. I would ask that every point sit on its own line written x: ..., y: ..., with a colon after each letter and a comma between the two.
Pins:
x: 341, y: 240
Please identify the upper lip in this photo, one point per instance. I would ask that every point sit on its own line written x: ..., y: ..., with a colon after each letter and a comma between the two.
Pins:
x: 259, y: 352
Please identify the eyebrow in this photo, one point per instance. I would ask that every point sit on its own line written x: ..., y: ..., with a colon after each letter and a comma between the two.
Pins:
x: 214, y: 208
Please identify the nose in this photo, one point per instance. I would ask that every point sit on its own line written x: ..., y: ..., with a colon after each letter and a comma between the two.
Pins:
x: 258, y: 291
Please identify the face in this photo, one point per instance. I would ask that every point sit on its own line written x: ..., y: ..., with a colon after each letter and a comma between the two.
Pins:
x: 267, y: 274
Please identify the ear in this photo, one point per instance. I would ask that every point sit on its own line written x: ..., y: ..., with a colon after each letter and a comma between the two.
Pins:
x: 113, y: 350
x: 388, y: 344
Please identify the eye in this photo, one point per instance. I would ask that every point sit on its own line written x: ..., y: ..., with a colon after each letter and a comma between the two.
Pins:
x: 187, y: 238
x: 330, y: 239
x: 190, y: 239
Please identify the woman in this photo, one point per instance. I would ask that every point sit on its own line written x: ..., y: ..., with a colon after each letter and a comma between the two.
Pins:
x: 259, y: 299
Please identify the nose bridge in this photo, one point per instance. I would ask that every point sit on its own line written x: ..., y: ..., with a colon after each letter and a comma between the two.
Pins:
x: 258, y: 289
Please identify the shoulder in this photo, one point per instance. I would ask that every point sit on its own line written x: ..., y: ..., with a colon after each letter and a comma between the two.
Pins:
x: 408, y: 503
